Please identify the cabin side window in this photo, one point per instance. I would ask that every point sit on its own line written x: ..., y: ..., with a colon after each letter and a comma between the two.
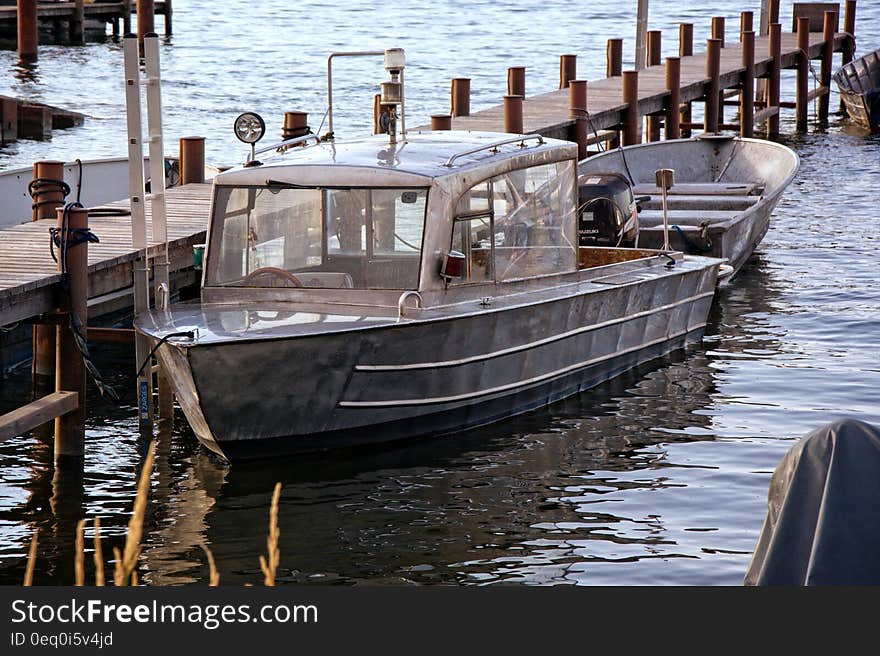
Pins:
x: 525, y: 229
x: 318, y: 237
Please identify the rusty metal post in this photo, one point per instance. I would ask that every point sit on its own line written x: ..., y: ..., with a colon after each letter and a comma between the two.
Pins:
x: 461, y: 96
x: 146, y: 20
x: 516, y: 81
x: 614, y: 58
x: 686, y: 49
x: 713, y: 91
x: 70, y: 374
x: 28, y: 29
x: 632, y: 120
x: 746, y: 23
x: 192, y: 160
x: 775, y: 48
x: 673, y: 109
x: 653, y: 59
x: 577, y: 107
x: 567, y: 70
x: 747, y: 97
x: 75, y: 27
x: 126, y: 16
x: 513, y: 114
x: 829, y: 27
x: 803, y: 72
x: 441, y: 121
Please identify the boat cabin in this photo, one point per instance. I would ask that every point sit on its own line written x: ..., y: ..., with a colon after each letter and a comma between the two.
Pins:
x: 360, y: 220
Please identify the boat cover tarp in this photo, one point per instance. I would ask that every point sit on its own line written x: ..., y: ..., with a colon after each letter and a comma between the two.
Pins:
x: 823, y: 516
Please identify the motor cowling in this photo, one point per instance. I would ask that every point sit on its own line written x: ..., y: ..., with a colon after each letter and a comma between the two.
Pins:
x: 607, y: 212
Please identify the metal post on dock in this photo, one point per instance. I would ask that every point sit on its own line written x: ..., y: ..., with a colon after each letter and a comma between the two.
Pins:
x: 146, y: 19
x: 513, y: 114
x: 460, y: 96
x: 829, y: 27
x: 654, y: 54
x: 567, y: 70
x: 686, y: 49
x: 747, y: 97
x: 577, y: 107
x: 673, y: 108
x: 803, y: 72
x: 614, y: 58
x: 28, y: 29
x: 516, y: 81
x: 713, y: 91
x: 775, y: 52
x: 746, y: 23
x: 192, y: 160
x: 70, y: 374
x: 441, y: 121
x: 75, y: 27
x: 632, y: 120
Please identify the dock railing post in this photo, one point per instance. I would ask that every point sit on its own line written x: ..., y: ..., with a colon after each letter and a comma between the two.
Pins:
x: 654, y: 54
x: 460, y: 96
x: 746, y: 23
x: 516, y: 81
x: 632, y: 119
x: 775, y: 51
x: 513, y: 114
x: 126, y: 17
x: 686, y: 49
x: 577, y: 107
x: 567, y: 70
x: 614, y: 58
x: 829, y: 27
x: 70, y: 374
x: 146, y: 20
x: 849, y: 45
x: 28, y: 29
x: 747, y: 97
x: 641, y: 33
x: 673, y: 86
x: 713, y: 91
x: 169, y: 12
x: 803, y: 73
x: 192, y: 160
x: 718, y: 32
x: 75, y: 28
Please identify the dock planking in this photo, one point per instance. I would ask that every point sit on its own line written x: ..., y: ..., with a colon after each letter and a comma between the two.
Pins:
x: 29, y: 279
x: 549, y: 114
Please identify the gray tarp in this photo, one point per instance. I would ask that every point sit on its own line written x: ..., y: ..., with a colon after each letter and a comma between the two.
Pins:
x: 823, y: 516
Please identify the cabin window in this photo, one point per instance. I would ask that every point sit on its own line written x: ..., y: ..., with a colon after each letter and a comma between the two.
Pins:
x: 316, y: 237
x: 526, y: 229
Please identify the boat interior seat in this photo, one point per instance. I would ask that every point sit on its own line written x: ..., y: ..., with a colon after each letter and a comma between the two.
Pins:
x: 649, y: 219
x: 697, y: 203
x: 703, y: 189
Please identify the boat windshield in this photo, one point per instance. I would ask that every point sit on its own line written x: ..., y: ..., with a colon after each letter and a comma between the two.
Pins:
x: 317, y: 237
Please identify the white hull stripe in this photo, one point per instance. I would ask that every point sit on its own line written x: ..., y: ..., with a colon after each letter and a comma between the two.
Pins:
x: 523, y: 383
x: 530, y: 345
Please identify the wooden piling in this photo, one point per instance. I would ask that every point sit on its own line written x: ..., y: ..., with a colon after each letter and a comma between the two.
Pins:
x: 28, y: 29
x: 169, y: 12
x: 146, y: 19
x: 577, y: 107
x: 686, y: 49
x: 829, y: 27
x: 441, y: 121
x: 849, y: 45
x: 192, y: 160
x: 775, y: 52
x: 632, y: 120
x: 513, y: 114
x: 673, y: 85
x: 713, y: 91
x: 295, y: 124
x: 516, y: 81
x: 614, y: 58
x: 567, y: 70
x: 461, y: 96
x: 653, y: 59
x: 803, y: 72
x: 70, y: 373
x: 746, y: 23
x: 126, y: 16
x: 773, y: 13
x: 718, y: 28
x: 747, y: 96
x: 75, y: 27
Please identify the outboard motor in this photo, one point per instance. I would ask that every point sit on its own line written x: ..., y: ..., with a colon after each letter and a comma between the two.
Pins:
x: 608, y: 215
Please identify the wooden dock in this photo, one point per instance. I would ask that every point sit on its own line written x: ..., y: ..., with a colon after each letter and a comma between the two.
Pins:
x: 29, y: 278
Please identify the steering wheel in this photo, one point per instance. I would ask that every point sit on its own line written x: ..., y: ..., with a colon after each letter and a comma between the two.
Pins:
x: 265, y: 272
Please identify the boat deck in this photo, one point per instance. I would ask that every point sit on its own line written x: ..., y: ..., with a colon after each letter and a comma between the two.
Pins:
x: 29, y: 279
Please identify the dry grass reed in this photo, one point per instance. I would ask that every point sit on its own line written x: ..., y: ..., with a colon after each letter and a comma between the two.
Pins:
x: 270, y: 565
x: 79, y: 561
x: 126, y: 561
x: 99, y: 555
x: 31, y: 561
x: 215, y: 575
